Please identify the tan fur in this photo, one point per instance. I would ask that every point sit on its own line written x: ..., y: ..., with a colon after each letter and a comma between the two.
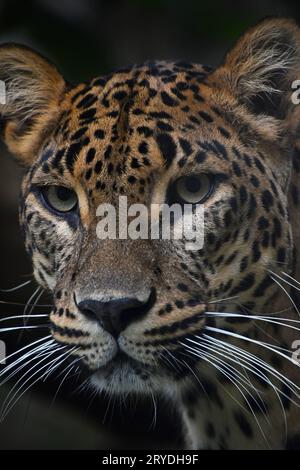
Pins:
x: 34, y: 89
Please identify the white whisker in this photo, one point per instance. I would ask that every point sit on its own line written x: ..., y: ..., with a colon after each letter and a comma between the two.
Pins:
x: 13, y: 317
x: 13, y: 289
x: 287, y: 294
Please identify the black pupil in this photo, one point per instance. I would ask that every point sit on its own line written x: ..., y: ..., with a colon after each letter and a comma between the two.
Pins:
x: 64, y: 194
x: 193, y: 184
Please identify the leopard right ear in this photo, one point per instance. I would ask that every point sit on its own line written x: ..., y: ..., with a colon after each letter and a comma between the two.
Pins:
x: 32, y: 89
x: 259, y: 72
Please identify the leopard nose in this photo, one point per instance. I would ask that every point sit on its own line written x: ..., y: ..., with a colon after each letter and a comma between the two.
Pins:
x: 115, y: 315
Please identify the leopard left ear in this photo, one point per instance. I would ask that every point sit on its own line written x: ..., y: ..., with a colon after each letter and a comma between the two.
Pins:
x: 260, y: 69
x: 32, y: 89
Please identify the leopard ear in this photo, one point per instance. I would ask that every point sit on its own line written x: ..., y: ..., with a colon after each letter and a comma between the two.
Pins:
x: 261, y: 67
x: 32, y: 89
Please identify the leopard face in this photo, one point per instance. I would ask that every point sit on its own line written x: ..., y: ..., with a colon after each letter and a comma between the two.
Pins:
x: 135, y: 134
x: 129, y: 309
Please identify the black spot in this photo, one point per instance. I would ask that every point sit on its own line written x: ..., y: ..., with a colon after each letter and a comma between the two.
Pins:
x: 212, y: 392
x: 186, y: 147
x: 182, y: 287
x: 246, y: 283
x: 73, y: 152
x: 146, y: 131
x: 236, y: 169
x: 99, y: 134
x: 281, y: 255
x: 262, y: 223
x: 168, y: 100
x: 265, y: 283
x: 243, y: 195
x: 243, y: 423
x: 78, y: 134
x: 87, y: 101
x: 110, y: 168
x: 205, y: 116
x: 120, y: 95
x: 200, y: 157
x: 88, y: 174
x: 254, y: 181
x: 108, y: 152
x: 135, y: 163
x: 256, y: 254
x: 164, y: 126
x: 98, y: 167
x: 90, y: 155
x: 244, y: 264
x: 267, y: 200
x: 131, y: 179
x: 259, y: 165
x: 167, y: 147
x: 224, y: 132
x: 143, y: 147
x: 88, y: 115
x: 210, y: 430
x: 45, y: 168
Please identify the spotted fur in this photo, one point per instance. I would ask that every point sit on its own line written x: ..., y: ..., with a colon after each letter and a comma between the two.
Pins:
x: 133, y: 133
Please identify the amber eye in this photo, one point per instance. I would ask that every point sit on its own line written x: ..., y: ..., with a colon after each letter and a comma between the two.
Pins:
x: 191, y: 189
x: 59, y: 198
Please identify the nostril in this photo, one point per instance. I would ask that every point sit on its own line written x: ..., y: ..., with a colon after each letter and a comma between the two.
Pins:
x: 88, y: 313
x: 138, y: 310
x: 115, y: 315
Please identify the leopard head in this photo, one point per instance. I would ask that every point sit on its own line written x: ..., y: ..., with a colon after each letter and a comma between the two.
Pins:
x: 157, y: 133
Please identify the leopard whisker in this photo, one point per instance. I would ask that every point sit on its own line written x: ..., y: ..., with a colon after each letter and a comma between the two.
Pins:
x: 290, y: 277
x: 246, y: 359
x: 284, y: 280
x: 253, y: 358
x: 55, y: 366
x: 287, y: 294
x: 233, y: 352
x: 31, y: 299
x: 25, y: 327
x: 32, y: 307
x: 222, y: 300
x: 45, y: 356
x: 205, y: 356
x: 25, y: 356
x: 38, y: 352
x: 251, y: 340
x: 13, y: 289
x: 274, y: 320
x: 28, y: 346
x: 66, y: 372
x: 13, y: 403
x: 13, y: 317
x: 21, y: 304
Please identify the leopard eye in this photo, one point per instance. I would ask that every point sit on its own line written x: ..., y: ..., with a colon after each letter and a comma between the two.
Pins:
x: 59, y: 198
x: 192, y: 189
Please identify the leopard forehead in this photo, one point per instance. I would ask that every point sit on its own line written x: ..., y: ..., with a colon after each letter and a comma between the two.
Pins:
x: 115, y: 131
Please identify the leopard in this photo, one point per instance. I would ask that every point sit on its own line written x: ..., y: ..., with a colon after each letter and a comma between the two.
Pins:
x: 213, y: 330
